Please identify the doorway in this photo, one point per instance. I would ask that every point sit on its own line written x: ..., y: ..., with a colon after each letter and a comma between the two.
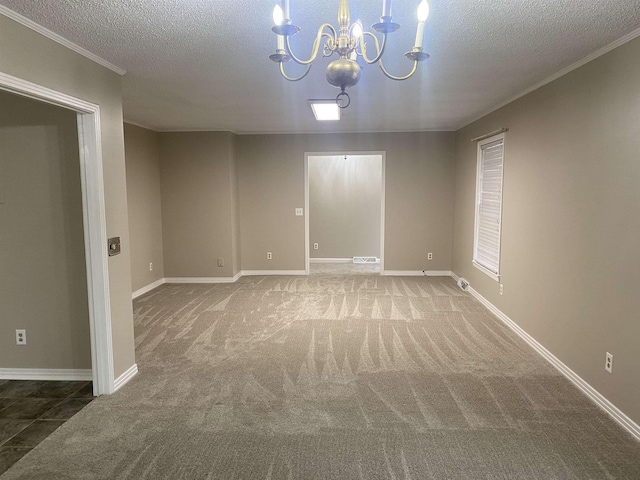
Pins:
x: 94, y: 221
x: 344, y: 200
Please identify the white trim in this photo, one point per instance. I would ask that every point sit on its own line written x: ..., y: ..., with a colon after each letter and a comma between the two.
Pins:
x: 94, y: 221
x: 587, y: 389
x: 417, y: 273
x: 136, y: 124
x: 249, y: 273
x: 383, y: 209
x: 45, y: 374
x: 583, y: 61
x: 123, y: 379
x: 486, y: 271
x: 331, y: 260
x: 59, y: 39
x: 95, y: 233
x: 148, y: 288
x: 34, y: 91
x: 328, y: 132
x: 203, y: 279
x: 307, y: 253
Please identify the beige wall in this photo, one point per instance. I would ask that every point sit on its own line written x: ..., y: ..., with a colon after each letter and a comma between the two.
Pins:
x: 198, y: 198
x: 571, y: 219
x: 43, y: 282
x: 142, y: 152
x: 30, y: 56
x: 419, y: 196
x: 345, y: 205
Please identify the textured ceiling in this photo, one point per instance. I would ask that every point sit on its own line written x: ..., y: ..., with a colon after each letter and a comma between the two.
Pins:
x: 203, y: 64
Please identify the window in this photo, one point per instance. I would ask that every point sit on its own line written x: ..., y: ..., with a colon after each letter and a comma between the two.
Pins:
x: 486, y: 250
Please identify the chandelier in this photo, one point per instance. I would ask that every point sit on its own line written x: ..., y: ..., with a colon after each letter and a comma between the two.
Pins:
x: 349, y: 42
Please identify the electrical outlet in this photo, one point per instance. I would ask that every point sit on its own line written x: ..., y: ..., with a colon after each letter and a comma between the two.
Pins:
x: 220, y: 262
x: 429, y: 256
x: 501, y: 289
x: 21, y: 337
x: 269, y: 256
x: 315, y: 246
x: 608, y: 363
x: 299, y: 212
x: 151, y: 266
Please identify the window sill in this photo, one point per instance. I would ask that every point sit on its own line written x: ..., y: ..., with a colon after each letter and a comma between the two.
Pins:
x: 487, y: 272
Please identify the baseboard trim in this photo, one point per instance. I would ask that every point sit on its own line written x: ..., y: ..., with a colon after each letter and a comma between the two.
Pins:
x: 251, y: 273
x: 416, y: 273
x: 599, y: 399
x: 148, y: 288
x: 331, y: 260
x: 45, y: 374
x: 123, y: 379
x: 203, y: 279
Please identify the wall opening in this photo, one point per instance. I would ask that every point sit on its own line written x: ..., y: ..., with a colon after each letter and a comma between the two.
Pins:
x: 344, y: 195
x: 94, y: 226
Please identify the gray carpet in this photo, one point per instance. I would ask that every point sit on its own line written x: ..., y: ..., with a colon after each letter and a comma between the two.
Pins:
x: 333, y: 377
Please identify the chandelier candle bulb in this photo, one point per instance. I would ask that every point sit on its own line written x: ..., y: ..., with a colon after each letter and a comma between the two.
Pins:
x: 278, y: 16
x: 357, y: 30
x: 423, y: 13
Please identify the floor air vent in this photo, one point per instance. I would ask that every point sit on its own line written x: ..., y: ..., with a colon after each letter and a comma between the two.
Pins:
x: 365, y: 260
x: 463, y: 284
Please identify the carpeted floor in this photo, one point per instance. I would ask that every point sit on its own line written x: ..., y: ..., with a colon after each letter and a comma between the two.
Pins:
x: 333, y: 376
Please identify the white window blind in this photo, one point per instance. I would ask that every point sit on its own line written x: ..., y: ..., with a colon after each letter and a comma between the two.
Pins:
x: 486, y: 253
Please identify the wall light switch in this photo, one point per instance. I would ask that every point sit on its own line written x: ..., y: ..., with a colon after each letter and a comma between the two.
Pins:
x: 299, y: 212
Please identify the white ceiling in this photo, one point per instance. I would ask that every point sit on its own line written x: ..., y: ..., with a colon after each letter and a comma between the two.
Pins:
x: 203, y: 64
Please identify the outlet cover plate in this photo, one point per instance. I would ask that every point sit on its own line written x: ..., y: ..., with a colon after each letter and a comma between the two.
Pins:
x: 608, y: 363
x: 21, y: 337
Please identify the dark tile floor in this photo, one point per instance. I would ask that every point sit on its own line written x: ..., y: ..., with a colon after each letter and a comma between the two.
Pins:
x: 30, y: 410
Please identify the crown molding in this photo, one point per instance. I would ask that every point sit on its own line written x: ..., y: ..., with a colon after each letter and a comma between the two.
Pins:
x: 592, y: 56
x: 338, y: 132
x: 136, y: 124
x: 59, y: 39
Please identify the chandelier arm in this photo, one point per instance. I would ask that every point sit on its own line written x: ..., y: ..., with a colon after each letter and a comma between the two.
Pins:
x: 316, y: 44
x: 393, y: 77
x: 294, y: 79
x: 379, y: 50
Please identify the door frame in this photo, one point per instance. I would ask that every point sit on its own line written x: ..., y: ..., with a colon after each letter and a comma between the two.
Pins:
x: 381, y: 153
x: 94, y: 221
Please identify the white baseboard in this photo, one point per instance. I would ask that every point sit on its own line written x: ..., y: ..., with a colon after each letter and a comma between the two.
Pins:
x: 45, y: 374
x: 249, y: 273
x: 203, y: 279
x: 587, y: 389
x: 123, y: 379
x: 331, y: 260
x: 148, y: 288
x: 416, y: 273
x: 233, y: 279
